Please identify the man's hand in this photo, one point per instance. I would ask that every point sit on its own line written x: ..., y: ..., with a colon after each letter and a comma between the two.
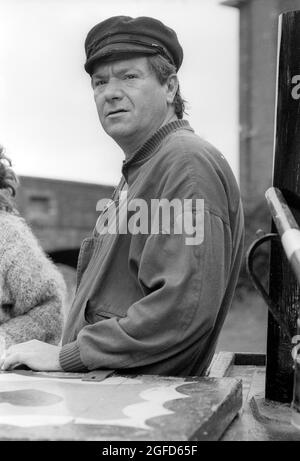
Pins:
x: 35, y: 354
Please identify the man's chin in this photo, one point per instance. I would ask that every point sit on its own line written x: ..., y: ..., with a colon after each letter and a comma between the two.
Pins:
x: 117, y: 131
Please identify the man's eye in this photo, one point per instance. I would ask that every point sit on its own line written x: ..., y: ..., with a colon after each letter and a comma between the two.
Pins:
x: 99, y: 83
x: 130, y: 76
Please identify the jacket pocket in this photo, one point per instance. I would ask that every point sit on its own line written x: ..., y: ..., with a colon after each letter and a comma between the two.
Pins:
x: 95, y: 314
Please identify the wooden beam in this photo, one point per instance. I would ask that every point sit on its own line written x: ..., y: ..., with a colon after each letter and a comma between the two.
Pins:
x: 283, y: 287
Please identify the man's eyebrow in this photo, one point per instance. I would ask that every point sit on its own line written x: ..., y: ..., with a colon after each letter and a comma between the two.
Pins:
x: 122, y: 70
x: 98, y: 75
x: 130, y: 69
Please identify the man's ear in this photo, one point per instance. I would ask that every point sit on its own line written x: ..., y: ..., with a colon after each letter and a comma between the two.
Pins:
x: 171, y: 87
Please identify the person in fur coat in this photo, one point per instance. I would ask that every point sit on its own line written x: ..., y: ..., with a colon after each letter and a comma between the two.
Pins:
x: 32, y: 290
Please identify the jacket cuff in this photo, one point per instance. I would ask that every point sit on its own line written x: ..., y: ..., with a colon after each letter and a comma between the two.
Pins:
x: 69, y: 358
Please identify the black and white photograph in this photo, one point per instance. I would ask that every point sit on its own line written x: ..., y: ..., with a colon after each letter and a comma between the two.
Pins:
x: 149, y: 223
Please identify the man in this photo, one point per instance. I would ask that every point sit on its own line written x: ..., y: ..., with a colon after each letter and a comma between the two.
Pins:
x: 150, y: 301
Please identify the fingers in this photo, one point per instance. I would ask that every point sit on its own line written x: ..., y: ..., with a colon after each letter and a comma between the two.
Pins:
x: 2, y: 359
x: 34, y: 354
x: 9, y: 359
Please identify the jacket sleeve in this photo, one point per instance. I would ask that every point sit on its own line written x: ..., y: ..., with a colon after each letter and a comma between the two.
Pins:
x: 36, y: 288
x: 183, y: 286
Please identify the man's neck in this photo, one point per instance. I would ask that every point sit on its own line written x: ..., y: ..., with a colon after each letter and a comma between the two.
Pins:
x: 129, y: 151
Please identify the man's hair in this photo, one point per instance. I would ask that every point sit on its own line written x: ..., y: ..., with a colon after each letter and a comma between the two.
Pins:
x: 8, y: 182
x: 162, y: 68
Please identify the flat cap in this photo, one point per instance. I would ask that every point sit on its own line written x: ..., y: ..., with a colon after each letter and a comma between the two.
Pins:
x: 123, y: 34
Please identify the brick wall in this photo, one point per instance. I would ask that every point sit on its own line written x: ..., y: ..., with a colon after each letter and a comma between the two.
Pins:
x: 61, y: 213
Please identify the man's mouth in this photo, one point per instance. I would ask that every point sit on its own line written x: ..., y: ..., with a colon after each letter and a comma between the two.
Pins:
x: 115, y: 111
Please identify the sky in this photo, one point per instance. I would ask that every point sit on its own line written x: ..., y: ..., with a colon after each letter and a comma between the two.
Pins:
x: 48, y: 119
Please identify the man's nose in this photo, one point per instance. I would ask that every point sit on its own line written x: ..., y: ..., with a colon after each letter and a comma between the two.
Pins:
x: 113, y: 90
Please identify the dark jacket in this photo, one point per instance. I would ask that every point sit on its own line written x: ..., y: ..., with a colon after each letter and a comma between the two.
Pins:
x: 150, y: 303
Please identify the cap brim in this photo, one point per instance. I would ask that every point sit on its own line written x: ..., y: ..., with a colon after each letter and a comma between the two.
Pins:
x: 117, y: 50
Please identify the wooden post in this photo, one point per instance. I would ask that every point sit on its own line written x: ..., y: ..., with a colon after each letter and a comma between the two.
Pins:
x: 284, y: 289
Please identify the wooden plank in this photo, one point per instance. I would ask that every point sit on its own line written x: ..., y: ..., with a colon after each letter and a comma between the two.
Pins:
x: 221, y: 364
x: 259, y: 419
x: 250, y: 358
x: 284, y: 289
x: 223, y: 361
x: 118, y: 408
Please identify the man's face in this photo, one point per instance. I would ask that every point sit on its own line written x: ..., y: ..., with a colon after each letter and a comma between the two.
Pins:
x: 131, y: 102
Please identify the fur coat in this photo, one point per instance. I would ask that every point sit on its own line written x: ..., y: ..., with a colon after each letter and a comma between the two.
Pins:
x: 32, y: 290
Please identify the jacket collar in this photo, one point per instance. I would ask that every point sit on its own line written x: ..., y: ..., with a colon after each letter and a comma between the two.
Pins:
x: 152, y: 144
